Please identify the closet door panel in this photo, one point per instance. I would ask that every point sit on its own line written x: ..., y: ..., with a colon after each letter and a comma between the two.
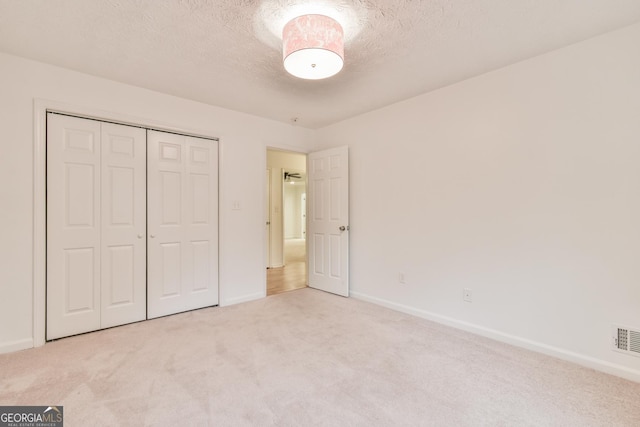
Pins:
x: 201, y: 226
x: 73, y: 225
x: 123, y: 245
x: 165, y: 198
x: 132, y: 224
x: 183, y: 223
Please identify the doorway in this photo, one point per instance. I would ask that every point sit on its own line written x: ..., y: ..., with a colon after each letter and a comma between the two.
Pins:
x: 286, y: 221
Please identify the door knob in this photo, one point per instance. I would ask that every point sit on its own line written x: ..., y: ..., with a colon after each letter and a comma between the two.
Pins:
x: 140, y: 236
x: 152, y: 236
x: 342, y: 228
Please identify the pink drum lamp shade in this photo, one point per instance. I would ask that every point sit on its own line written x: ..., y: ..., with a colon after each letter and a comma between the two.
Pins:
x: 313, y: 47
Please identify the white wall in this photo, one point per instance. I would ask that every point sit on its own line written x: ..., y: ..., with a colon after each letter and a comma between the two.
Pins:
x: 522, y: 184
x: 244, y: 139
x: 293, y: 210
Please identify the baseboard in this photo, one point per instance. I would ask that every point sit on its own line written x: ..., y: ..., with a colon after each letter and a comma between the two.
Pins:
x: 246, y: 298
x: 589, y: 362
x: 10, y: 347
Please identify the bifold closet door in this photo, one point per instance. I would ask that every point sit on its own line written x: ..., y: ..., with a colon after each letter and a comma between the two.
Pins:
x: 124, y: 220
x: 182, y: 200
x: 96, y: 268
x: 73, y: 226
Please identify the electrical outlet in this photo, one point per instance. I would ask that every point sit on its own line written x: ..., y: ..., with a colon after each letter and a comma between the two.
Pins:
x: 467, y: 295
x: 402, y: 278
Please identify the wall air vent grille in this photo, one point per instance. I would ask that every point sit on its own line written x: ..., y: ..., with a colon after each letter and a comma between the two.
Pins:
x: 626, y: 340
x: 634, y: 342
x: 623, y: 336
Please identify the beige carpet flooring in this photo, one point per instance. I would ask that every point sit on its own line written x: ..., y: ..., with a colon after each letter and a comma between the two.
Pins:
x: 307, y: 358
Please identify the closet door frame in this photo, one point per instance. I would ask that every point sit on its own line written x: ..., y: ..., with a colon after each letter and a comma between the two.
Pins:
x: 40, y: 109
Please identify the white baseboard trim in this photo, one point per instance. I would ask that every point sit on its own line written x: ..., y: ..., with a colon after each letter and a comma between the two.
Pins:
x: 10, y: 347
x: 246, y: 298
x: 589, y: 362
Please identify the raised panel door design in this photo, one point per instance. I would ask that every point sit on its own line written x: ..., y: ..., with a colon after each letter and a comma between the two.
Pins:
x: 201, y: 194
x: 79, y: 268
x: 121, y: 145
x: 335, y: 162
x: 171, y: 194
x: 201, y: 228
x: 121, y: 196
x: 101, y: 238
x: 329, y: 222
x: 335, y: 198
x: 317, y: 165
x: 318, y: 205
x: 171, y: 269
x: 123, y: 291
x: 317, y: 260
x: 121, y: 276
x: 73, y: 226
x: 78, y: 139
x: 336, y: 256
x: 80, y: 194
x: 200, y: 156
x: 171, y: 152
x: 96, y: 220
x: 201, y: 268
x: 182, y: 222
x: 165, y: 199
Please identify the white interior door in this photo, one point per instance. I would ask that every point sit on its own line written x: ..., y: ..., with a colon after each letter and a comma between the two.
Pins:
x: 182, y: 200
x: 73, y: 226
x: 328, y: 224
x: 96, y: 220
x: 123, y: 243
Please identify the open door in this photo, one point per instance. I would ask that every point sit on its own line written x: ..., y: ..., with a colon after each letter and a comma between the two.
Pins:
x: 328, y: 220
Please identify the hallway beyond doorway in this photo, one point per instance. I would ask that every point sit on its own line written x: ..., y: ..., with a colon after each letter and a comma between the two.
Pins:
x: 293, y: 275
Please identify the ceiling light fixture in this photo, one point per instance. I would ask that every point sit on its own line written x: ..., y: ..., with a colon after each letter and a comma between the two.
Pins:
x: 313, y: 47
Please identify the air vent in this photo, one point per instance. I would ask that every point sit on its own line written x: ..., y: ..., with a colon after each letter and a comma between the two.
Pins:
x: 626, y: 340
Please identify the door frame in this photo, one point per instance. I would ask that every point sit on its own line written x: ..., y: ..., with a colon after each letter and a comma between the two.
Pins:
x: 267, y: 204
x: 40, y: 109
x: 267, y: 196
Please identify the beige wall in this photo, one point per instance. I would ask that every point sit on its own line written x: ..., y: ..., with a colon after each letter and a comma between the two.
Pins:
x: 523, y: 185
x: 293, y: 218
x: 243, y: 140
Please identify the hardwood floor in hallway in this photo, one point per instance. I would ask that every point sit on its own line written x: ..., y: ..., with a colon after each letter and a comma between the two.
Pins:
x: 294, y: 274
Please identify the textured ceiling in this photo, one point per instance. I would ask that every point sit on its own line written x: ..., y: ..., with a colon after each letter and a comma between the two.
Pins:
x: 228, y: 52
